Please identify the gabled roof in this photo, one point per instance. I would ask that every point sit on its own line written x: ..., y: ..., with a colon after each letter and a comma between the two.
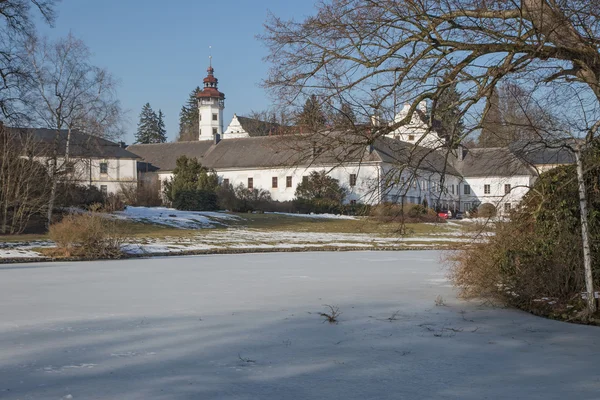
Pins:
x: 81, y: 145
x: 164, y: 155
x: 398, y: 152
x: 291, y: 151
x: 496, y: 161
x: 536, y: 153
x: 256, y: 127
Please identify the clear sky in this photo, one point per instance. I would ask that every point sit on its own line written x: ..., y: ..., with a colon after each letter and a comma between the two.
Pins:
x: 158, y: 50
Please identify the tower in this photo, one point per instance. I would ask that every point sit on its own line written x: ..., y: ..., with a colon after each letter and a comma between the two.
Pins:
x: 211, y: 103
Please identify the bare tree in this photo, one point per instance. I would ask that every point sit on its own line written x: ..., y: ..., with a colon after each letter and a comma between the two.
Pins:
x: 68, y: 93
x: 24, y: 182
x: 376, y: 51
x: 16, y: 27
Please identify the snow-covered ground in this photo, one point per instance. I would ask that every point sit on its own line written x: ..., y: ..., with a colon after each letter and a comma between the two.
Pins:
x: 242, y: 327
x: 238, y: 238
x: 176, y: 218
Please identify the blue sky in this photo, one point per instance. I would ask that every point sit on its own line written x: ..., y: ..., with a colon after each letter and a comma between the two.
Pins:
x: 158, y: 50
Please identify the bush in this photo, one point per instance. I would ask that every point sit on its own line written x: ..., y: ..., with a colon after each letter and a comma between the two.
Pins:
x: 486, y: 210
x: 409, y: 213
x: 87, y: 235
x: 538, y: 252
x: 195, y: 200
x: 73, y: 195
x: 318, y: 206
x: 113, y: 202
x: 146, y: 193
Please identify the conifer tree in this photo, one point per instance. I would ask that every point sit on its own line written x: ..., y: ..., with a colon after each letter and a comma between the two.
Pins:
x: 189, y: 118
x: 147, y: 127
x: 446, y: 117
x: 345, y: 117
x: 312, y: 115
x: 161, y: 131
x: 492, y: 131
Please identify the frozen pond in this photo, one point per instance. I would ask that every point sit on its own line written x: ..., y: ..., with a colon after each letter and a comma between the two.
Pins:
x: 248, y: 327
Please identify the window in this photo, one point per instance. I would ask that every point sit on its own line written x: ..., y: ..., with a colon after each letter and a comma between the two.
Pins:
x: 352, y: 202
x: 288, y: 181
x: 467, y: 189
x: 352, y: 179
x: 104, y: 168
x: 507, y: 188
x: 274, y: 182
x: 199, y: 117
x: 215, y: 117
x: 506, y: 207
x: 411, y: 137
x: 486, y: 189
x: 414, y: 183
x: 304, y: 180
x: 250, y: 183
x: 225, y: 182
x: 452, y: 188
x: 215, y: 131
x: 104, y: 190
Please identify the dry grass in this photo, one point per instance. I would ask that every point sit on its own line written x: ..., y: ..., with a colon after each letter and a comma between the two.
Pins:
x: 87, y: 235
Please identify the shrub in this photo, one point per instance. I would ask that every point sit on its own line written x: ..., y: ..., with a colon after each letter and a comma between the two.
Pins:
x: 73, y: 195
x: 538, y: 252
x: 409, y: 213
x: 255, y: 199
x: 113, y: 202
x: 486, y: 210
x: 319, y: 185
x: 195, y: 200
x: 87, y: 235
x: 146, y: 193
x: 189, y: 174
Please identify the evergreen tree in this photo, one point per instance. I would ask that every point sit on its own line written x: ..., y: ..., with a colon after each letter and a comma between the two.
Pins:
x: 189, y: 128
x: 345, y: 117
x: 161, y: 131
x: 312, y: 115
x: 446, y: 117
x: 147, y: 127
x: 492, y: 131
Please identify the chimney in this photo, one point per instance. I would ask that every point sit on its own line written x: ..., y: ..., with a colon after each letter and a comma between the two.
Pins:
x: 462, y: 153
x: 122, y: 145
x: 217, y: 138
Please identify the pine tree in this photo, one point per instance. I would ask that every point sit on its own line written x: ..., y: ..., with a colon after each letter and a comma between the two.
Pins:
x: 492, y: 131
x: 189, y: 128
x: 345, y: 117
x: 447, y: 119
x: 161, y: 131
x: 312, y: 116
x: 147, y: 127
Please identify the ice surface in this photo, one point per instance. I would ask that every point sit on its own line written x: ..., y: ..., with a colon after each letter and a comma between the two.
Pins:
x: 248, y: 327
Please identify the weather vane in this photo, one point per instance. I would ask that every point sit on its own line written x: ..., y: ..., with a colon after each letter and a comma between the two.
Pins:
x: 210, y: 55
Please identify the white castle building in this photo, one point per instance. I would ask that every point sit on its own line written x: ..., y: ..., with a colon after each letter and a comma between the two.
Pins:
x: 403, y: 166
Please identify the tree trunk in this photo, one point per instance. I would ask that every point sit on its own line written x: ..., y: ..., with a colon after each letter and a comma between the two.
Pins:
x: 52, y: 193
x: 585, y: 234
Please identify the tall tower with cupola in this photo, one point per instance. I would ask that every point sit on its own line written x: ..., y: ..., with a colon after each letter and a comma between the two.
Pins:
x: 211, y: 103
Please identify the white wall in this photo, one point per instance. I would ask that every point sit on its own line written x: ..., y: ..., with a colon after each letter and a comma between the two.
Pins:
x: 519, y: 186
x: 365, y: 190
x: 87, y: 172
x: 208, y: 107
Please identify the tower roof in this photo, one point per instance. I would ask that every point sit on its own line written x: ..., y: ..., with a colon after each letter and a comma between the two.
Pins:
x: 211, y: 86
